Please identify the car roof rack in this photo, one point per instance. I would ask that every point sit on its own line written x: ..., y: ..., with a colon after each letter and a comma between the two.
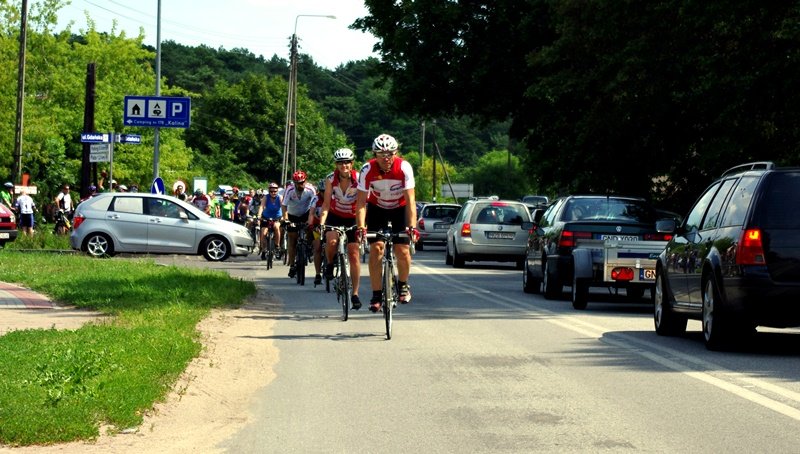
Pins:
x: 758, y: 165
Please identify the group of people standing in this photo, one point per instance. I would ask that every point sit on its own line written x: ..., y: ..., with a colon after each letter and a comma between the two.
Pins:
x: 380, y: 193
x: 25, y: 207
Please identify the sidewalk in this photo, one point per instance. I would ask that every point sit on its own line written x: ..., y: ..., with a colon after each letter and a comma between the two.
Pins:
x: 22, y: 308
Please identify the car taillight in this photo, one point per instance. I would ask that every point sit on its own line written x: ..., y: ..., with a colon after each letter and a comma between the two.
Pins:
x: 568, y: 238
x: 622, y: 274
x: 466, y: 230
x: 76, y: 221
x: 657, y: 237
x: 750, y: 250
x: 421, y: 224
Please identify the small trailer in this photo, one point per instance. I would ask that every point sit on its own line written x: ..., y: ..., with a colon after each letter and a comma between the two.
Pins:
x: 614, y: 263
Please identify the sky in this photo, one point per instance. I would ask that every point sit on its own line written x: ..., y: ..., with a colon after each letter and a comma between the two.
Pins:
x: 264, y: 27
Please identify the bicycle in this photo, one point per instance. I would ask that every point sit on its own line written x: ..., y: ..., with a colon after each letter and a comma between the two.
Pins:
x: 63, y: 225
x: 389, y: 281
x: 301, y: 252
x: 341, y: 278
x: 270, y: 239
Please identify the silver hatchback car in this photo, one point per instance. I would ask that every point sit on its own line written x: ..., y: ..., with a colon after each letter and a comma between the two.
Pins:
x: 489, y: 230
x: 434, y: 220
x: 139, y: 222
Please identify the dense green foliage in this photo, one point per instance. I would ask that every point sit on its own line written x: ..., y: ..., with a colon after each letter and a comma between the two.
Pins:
x: 677, y: 90
x: 62, y: 385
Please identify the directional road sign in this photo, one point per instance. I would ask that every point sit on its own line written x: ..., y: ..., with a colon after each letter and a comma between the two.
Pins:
x: 128, y: 138
x: 165, y: 112
x: 95, y: 137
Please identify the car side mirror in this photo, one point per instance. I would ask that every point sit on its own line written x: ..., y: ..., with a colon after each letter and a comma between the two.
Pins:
x: 183, y: 215
x: 528, y: 225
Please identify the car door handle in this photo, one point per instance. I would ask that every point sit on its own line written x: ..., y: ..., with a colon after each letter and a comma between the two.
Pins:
x: 156, y: 220
x: 113, y: 216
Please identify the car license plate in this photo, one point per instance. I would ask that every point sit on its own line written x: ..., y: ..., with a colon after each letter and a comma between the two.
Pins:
x: 647, y: 274
x: 500, y: 235
x: 441, y: 226
x: 4, y: 235
x: 619, y: 237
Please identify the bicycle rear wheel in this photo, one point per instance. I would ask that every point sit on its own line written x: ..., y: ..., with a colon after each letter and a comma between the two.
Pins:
x: 343, y: 289
x: 388, y: 299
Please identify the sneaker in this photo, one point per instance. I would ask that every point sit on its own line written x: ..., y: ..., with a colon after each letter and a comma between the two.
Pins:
x: 317, y: 279
x: 375, y: 304
x: 405, y: 294
x: 356, y: 302
x: 292, y: 271
x: 329, y: 272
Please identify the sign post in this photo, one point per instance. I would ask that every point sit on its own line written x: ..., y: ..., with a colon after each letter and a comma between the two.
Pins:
x: 102, y: 147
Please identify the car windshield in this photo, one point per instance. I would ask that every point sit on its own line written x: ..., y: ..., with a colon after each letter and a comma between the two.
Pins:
x: 608, y: 209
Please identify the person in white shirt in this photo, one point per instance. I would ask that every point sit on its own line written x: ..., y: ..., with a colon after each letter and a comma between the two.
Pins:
x: 26, y: 207
x: 64, y: 201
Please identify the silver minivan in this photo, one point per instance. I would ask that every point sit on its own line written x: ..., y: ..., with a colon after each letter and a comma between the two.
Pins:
x: 487, y: 229
x: 139, y: 222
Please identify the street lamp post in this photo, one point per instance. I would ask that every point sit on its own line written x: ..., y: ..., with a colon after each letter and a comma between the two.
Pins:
x: 290, y: 137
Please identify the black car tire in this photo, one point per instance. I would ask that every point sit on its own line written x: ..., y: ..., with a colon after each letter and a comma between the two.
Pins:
x: 448, y: 259
x: 98, y: 245
x: 580, y: 293
x: 530, y: 284
x: 550, y: 286
x: 458, y: 260
x: 216, y: 249
x: 667, y: 322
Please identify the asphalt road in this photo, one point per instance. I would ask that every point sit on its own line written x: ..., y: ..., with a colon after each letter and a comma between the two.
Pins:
x: 476, y: 365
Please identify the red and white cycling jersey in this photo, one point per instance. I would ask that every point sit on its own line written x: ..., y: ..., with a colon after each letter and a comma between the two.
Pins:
x: 343, y: 202
x: 386, y: 188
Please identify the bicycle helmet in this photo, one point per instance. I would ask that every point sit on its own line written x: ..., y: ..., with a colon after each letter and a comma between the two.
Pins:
x: 384, y: 142
x: 299, y: 177
x: 273, y: 185
x: 9, y: 185
x: 343, y: 154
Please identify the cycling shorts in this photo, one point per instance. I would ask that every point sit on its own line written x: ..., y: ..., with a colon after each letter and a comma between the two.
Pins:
x: 378, y: 218
x: 338, y: 221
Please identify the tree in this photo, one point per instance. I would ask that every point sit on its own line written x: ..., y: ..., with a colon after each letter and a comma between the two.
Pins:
x: 676, y: 90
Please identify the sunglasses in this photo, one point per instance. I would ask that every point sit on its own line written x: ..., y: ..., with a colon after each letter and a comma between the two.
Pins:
x: 344, y: 163
x: 384, y: 154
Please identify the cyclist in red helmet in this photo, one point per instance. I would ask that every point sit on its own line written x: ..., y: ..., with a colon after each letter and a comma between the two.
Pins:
x: 298, y: 199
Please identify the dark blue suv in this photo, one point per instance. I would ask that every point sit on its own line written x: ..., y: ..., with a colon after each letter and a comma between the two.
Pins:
x: 734, y: 261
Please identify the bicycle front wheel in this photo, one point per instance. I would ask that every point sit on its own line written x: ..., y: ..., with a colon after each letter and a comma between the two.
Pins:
x: 388, y: 299
x: 300, y: 264
x: 344, y: 287
x: 270, y: 250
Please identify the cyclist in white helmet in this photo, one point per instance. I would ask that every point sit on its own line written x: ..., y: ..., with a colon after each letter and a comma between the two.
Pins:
x: 386, y: 193
x: 339, y: 209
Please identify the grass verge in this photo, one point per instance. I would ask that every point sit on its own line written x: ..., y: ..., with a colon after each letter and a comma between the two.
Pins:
x: 62, y: 385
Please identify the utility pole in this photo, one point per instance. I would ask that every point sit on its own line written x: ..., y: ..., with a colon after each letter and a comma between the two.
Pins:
x: 88, y: 171
x: 157, y: 134
x: 23, y: 40
x: 434, y: 164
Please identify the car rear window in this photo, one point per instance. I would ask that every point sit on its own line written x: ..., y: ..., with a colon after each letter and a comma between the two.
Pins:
x: 779, y: 204
x: 440, y: 212
x: 609, y: 209
x: 500, y: 213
